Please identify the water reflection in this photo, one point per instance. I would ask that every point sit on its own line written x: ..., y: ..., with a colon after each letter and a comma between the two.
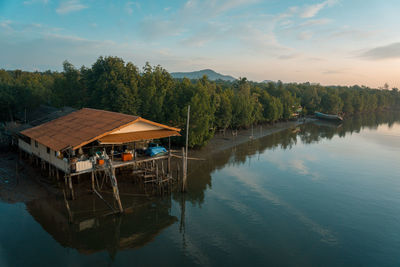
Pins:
x: 92, y: 232
x: 307, y: 133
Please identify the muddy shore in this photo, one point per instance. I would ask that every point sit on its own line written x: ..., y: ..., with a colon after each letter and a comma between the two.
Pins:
x: 228, y: 140
x: 20, y: 182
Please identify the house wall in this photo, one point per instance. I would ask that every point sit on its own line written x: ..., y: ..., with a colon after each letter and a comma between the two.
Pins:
x: 137, y: 127
x: 24, y: 146
x: 41, y: 152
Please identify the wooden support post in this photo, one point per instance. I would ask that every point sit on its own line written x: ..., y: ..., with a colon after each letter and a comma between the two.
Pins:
x: 65, y: 181
x: 157, y: 174
x: 184, y: 176
x: 169, y: 164
x: 177, y: 172
x: 134, y: 150
x: 185, y: 153
x: 71, y: 187
x: 68, y: 209
x: 93, y: 180
x: 49, y: 170
x: 57, y: 174
x: 115, y: 190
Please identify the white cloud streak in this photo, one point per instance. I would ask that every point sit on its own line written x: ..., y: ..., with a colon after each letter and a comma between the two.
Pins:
x: 70, y: 6
x: 312, y: 10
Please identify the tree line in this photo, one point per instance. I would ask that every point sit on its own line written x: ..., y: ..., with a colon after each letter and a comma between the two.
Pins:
x: 152, y: 93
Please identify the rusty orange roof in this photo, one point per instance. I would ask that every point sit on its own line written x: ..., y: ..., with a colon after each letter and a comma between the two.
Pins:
x: 82, y: 127
x: 136, y: 136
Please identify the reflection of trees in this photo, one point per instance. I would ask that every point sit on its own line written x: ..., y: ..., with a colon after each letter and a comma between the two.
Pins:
x: 90, y: 234
x: 200, y: 172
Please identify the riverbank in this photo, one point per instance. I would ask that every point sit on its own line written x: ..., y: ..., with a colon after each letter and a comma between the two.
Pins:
x: 19, y: 182
x: 231, y: 138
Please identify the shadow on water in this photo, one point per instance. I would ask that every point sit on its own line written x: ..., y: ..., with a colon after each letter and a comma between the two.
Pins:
x: 92, y: 232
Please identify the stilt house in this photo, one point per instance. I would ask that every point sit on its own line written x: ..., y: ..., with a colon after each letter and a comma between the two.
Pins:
x: 75, y: 143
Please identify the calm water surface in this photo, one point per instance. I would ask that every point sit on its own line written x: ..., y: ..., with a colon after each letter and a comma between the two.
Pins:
x: 328, y: 195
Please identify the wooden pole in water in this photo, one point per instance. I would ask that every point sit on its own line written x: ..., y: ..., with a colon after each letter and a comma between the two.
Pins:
x: 115, y: 190
x: 183, y: 170
x: 169, y: 157
x: 68, y: 209
x: 71, y: 187
x: 93, y: 180
x: 187, y: 137
x: 184, y: 155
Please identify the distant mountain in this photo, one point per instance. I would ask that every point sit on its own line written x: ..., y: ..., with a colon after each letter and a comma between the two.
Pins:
x: 212, y: 75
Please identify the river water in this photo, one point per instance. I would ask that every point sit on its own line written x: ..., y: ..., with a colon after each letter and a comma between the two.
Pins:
x: 320, y: 194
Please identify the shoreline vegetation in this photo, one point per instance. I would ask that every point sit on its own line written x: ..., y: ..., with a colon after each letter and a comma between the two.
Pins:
x: 152, y: 93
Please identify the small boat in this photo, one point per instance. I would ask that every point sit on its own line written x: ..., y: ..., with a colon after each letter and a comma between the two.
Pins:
x: 331, y: 117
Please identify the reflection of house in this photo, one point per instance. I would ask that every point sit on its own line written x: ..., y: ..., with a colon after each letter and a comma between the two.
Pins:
x: 91, y: 234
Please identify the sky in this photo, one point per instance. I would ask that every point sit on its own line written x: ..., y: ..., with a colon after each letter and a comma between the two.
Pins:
x: 331, y: 42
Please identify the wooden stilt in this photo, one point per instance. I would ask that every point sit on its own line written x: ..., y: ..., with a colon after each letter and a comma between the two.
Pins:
x: 169, y: 164
x: 178, y: 173
x: 93, y: 180
x: 65, y: 181
x: 67, y: 206
x: 184, y: 170
x: 115, y: 190
x: 71, y: 188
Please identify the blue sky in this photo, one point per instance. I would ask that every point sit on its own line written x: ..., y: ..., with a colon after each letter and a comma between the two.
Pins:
x: 325, y: 41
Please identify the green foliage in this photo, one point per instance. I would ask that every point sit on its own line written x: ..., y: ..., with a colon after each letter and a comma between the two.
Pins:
x: 114, y: 85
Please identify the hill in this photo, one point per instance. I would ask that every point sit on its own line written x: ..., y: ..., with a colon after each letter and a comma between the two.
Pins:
x: 212, y: 75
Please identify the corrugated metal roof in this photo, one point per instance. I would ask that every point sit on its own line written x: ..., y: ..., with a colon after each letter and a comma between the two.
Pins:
x: 87, y: 125
x: 136, y: 136
x: 78, y: 128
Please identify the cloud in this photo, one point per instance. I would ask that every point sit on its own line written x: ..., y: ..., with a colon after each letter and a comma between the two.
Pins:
x: 390, y: 51
x: 70, y: 6
x: 333, y: 72
x: 211, y: 8
x: 6, y: 24
x: 130, y: 5
x: 289, y: 56
x: 153, y: 29
x: 39, y: 47
x: 31, y: 2
x: 352, y: 34
x: 312, y: 10
x: 306, y: 35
